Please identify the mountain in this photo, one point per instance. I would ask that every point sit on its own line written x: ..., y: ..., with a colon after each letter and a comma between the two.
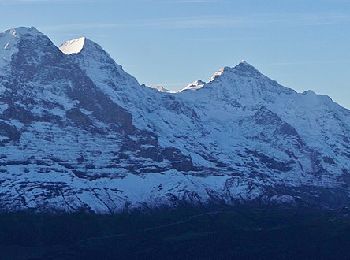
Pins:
x: 77, y: 132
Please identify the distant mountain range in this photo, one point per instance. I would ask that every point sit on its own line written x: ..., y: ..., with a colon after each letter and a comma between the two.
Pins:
x: 79, y: 133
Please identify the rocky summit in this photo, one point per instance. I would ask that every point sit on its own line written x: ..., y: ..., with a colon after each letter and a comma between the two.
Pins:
x: 79, y: 133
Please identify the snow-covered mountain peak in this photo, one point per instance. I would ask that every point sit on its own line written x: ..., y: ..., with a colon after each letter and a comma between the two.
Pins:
x: 23, y: 31
x: 7, y: 40
x: 246, y: 69
x: 245, y: 64
x: 9, y: 44
x: 74, y: 46
x: 195, y: 85
x: 82, y: 45
x: 10, y: 38
x: 161, y: 89
x: 98, y: 64
x: 242, y: 69
x: 219, y: 73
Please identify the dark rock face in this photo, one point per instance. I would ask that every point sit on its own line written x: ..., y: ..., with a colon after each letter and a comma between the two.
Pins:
x: 79, y: 118
x: 100, y: 105
x: 18, y: 113
x: 9, y: 131
x: 266, y: 117
x: 271, y: 163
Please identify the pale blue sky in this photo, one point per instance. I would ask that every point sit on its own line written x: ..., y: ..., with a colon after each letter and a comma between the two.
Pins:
x: 303, y: 44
